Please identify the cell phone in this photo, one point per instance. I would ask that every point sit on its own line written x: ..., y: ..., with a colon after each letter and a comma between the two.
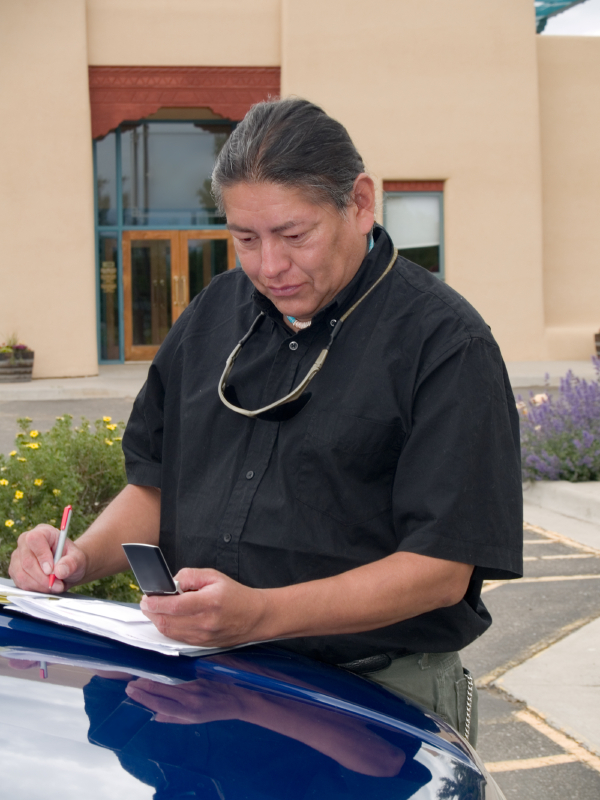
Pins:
x: 150, y: 569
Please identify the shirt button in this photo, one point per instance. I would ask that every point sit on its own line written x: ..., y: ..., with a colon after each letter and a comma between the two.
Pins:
x: 227, y: 538
x: 293, y: 345
x: 249, y: 474
x: 333, y: 322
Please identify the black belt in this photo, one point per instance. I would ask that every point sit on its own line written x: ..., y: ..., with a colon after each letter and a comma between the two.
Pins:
x: 362, y: 666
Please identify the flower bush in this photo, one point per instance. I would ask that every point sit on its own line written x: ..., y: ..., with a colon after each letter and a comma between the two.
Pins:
x: 78, y: 466
x: 560, y: 435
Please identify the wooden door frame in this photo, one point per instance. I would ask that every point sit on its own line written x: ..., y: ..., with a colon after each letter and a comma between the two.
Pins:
x: 179, y: 278
x: 143, y: 352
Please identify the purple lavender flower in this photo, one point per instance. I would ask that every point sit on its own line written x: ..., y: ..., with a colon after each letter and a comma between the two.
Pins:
x: 560, y: 433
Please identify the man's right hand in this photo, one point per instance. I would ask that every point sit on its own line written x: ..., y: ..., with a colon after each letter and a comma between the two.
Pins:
x: 32, y: 562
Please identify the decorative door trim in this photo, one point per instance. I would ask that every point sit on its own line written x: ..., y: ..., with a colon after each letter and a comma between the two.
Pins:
x: 131, y: 93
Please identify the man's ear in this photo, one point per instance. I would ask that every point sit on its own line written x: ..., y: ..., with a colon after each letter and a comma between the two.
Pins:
x: 363, y: 195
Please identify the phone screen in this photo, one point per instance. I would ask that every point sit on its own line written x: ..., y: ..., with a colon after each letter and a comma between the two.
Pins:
x: 150, y: 569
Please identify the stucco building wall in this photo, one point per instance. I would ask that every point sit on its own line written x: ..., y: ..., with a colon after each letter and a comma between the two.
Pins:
x: 443, y: 90
x: 462, y: 92
x: 179, y: 33
x: 47, y: 285
x: 569, y: 71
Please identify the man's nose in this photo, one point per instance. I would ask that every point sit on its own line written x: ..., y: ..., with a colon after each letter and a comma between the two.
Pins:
x: 273, y: 259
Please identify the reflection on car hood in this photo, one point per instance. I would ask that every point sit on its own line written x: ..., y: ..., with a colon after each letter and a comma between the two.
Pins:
x: 258, y: 722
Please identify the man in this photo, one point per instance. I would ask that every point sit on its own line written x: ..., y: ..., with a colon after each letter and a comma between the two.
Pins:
x: 353, y: 518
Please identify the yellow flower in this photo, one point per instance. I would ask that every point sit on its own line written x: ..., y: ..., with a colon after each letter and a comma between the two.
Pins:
x: 3, y: 482
x: 9, y: 523
x: 13, y: 453
x: 27, y: 419
x: 60, y: 419
x: 21, y: 459
x: 112, y: 427
x: 34, y: 434
x: 39, y: 481
x: 117, y: 439
x: 109, y: 441
x: 32, y: 445
x: 52, y: 521
x: 133, y: 586
x: 18, y: 495
x: 106, y: 419
x: 56, y: 492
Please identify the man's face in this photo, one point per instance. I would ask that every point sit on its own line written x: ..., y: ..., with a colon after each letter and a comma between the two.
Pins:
x: 297, y: 253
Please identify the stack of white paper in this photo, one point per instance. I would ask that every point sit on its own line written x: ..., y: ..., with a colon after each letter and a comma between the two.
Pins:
x: 124, y: 623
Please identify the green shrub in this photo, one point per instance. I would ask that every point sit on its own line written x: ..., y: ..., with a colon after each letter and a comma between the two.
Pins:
x: 80, y: 466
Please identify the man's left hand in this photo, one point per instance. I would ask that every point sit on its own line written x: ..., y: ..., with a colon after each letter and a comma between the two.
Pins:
x: 214, y: 611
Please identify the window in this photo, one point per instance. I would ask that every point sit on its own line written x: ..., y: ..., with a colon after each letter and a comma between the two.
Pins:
x: 413, y: 216
x: 165, y: 174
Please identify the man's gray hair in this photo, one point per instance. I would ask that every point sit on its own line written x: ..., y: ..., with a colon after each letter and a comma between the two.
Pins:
x: 292, y: 143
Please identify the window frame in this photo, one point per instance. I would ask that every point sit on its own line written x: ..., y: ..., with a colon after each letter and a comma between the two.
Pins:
x: 424, y: 189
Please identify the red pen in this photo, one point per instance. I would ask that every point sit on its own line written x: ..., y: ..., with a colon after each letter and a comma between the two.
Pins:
x: 64, y: 529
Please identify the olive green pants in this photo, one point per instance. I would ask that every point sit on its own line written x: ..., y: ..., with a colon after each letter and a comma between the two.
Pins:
x: 436, y: 681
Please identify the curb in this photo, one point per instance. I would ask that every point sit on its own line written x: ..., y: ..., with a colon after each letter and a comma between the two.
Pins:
x: 578, y: 500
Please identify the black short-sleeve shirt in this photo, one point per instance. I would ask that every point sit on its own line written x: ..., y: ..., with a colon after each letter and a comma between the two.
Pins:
x: 409, y: 443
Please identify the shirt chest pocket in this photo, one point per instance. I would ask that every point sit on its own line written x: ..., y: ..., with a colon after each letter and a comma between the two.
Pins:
x: 346, y: 466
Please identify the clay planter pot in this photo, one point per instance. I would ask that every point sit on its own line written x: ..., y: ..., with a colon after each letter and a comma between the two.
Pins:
x: 16, y: 366
x: 597, y: 338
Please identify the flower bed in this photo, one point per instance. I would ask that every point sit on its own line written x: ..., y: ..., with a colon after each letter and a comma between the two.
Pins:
x: 560, y: 434
x: 82, y: 466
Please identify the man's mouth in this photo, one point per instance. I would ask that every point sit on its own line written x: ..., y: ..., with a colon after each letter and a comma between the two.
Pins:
x: 283, y: 291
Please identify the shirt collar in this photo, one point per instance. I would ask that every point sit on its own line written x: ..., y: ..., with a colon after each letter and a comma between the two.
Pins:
x: 371, y: 268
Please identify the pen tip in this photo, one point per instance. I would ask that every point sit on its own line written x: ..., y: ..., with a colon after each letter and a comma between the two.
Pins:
x: 51, y: 581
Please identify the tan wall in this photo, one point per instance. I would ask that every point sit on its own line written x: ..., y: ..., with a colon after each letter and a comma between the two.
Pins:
x: 569, y: 72
x: 47, y: 291
x: 432, y: 89
x: 428, y: 89
x: 208, y: 33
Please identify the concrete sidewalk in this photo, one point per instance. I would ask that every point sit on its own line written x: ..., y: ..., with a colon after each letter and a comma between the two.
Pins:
x: 125, y: 380
x: 113, y: 380
x: 562, y: 683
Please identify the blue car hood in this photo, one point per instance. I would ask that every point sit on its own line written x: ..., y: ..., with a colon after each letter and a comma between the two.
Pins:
x: 258, y: 722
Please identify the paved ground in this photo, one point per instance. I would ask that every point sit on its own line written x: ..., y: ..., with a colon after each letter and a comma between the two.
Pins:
x: 110, y: 393
x: 532, y: 755
x: 44, y: 413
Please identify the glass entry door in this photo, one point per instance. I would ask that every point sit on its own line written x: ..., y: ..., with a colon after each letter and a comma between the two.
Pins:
x: 162, y: 272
